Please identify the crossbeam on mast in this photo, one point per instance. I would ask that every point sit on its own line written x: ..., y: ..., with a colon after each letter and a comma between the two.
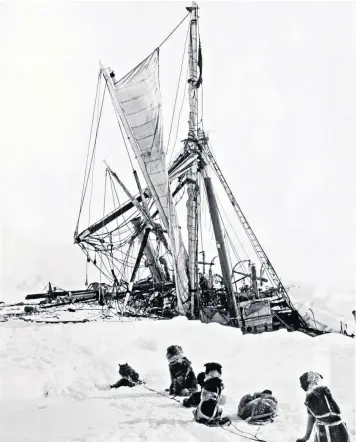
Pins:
x: 109, y: 218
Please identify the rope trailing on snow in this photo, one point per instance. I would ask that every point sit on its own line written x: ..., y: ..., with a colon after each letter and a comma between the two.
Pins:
x: 161, y: 394
x: 243, y: 433
x: 240, y: 433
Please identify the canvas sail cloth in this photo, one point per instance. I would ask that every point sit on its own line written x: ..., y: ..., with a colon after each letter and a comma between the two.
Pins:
x: 139, y: 97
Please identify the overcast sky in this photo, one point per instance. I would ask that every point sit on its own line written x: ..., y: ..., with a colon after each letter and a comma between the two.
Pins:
x: 279, y: 104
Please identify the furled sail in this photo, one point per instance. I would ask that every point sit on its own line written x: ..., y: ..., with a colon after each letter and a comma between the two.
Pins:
x: 139, y: 99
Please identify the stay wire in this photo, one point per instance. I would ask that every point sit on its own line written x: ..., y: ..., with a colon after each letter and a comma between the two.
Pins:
x: 180, y: 113
x: 173, y: 31
x: 86, y: 163
x: 232, y: 227
x: 176, y: 97
x: 121, y: 130
x: 93, y: 116
x: 94, y: 147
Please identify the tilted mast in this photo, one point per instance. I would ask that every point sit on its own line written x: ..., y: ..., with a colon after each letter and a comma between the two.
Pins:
x: 137, y: 101
x: 220, y: 241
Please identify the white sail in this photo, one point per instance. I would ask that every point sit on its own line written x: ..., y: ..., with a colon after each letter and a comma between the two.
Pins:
x: 139, y: 107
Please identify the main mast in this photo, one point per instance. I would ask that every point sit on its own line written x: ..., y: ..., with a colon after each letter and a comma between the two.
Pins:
x: 192, y: 175
x: 195, y: 142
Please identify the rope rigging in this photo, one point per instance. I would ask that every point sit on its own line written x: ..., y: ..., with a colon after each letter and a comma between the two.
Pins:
x: 87, y: 157
x: 179, y: 115
x: 168, y: 36
x: 117, y: 244
x: 176, y: 97
x: 91, y: 168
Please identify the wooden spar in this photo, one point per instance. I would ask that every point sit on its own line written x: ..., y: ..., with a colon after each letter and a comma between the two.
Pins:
x: 153, y: 263
x: 192, y: 174
x: 167, y: 214
x: 110, y: 80
x: 56, y: 294
x: 132, y: 198
x: 137, y: 264
x: 254, y: 280
x: 118, y: 212
x: 220, y: 244
x: 142, y: 194
x: 140, y: 253
x: 248, y: 275
x: 108, y: 218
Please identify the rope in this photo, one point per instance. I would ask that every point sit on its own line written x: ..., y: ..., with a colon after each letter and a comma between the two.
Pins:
x: 180, y: 112
x: 240, y: 433
x: 243, y: 433
x: 234, y: 231
x: 173, y: 31
x: 175, y: 101
x: 161, y: 394
x: 86, y: 164
x: 317, y: 328
x: 93, y: 157
x: 121, y: 130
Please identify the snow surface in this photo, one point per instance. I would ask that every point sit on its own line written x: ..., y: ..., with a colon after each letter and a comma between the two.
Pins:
x: 54, y: 379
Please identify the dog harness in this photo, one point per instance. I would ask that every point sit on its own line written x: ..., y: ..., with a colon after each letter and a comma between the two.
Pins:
x: 321, y: 423
x: 207, y: 396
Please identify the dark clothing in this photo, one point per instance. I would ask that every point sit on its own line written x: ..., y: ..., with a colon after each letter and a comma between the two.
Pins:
x: 329, y: 427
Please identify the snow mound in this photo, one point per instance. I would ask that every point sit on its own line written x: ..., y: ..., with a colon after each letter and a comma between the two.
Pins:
x: 54, y: 379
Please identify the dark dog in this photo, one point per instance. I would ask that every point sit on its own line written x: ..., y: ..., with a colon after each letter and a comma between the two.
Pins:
x: 130, y: 377
x: 194, y: 399
x: 208, y: 411
x: 323, y: 412
x: 183, y: 380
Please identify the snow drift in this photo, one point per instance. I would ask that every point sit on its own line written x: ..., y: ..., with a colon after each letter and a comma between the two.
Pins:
x: 54, y: 379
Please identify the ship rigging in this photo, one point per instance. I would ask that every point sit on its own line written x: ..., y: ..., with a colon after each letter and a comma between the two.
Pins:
x: 139, y: 247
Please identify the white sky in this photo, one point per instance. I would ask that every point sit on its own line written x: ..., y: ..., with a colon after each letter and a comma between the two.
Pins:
x: 279, y: 100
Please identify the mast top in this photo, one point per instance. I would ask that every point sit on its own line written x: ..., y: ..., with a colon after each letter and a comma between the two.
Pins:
x: 191, y: 8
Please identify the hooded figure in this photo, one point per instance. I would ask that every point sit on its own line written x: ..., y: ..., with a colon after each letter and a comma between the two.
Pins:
x: 183, y: 380
x: 323, y: 412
